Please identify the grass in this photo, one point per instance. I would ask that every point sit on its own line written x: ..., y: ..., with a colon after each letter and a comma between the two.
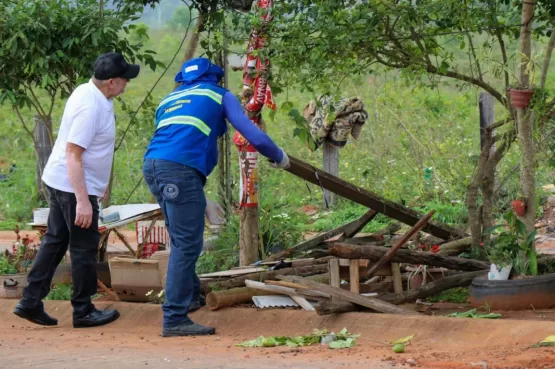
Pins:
x: 410, y: 130
x: 457, y: 295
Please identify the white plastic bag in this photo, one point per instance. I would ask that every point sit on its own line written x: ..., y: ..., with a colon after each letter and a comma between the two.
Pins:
x: 499, y: 275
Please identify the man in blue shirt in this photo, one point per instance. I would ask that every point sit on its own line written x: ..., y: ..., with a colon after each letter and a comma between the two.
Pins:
x: 181, y: 154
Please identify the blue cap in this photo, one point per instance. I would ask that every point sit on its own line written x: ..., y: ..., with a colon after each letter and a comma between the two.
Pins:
x: 199, y: 69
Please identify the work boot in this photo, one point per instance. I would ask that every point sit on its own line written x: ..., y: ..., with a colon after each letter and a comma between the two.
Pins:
x: 96, y: 318
x: 188, y: 329
x: 37, y: 316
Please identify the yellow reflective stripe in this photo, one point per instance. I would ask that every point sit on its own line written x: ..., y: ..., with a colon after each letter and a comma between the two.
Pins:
x: 199, y: 92
x: 186, y: 119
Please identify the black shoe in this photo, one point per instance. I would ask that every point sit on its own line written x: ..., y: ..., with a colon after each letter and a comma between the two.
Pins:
x: 37, y: 316
x: 190, y: 329
x: 96, y: 318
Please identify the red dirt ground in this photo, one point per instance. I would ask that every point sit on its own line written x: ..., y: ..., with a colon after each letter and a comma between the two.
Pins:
x: 134, y: 341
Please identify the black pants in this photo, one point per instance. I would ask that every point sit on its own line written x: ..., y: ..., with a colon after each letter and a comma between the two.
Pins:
x: 83, y: 247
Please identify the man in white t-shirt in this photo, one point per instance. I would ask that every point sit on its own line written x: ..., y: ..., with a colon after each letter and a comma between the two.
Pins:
x: 77, y: 175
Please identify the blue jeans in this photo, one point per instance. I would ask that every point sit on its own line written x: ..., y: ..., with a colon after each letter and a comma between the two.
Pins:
x: 180, y: 192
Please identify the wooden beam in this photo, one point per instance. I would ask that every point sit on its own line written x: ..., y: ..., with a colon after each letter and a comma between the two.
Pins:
x: 340, y: 294
x: 347, y: 251
x: 400, y: 243
x: 368, y: 199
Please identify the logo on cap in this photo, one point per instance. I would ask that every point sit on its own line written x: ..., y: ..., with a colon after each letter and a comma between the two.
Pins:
x: 191, y: 68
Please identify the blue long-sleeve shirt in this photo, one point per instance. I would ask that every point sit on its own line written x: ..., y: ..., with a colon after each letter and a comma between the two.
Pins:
x: 233, y: 112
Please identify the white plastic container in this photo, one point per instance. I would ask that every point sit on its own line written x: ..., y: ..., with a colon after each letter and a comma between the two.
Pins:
x: 499, y: 275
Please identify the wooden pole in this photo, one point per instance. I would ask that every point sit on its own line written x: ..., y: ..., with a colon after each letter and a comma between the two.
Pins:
x: 331, y: 166
x: 403, y: 240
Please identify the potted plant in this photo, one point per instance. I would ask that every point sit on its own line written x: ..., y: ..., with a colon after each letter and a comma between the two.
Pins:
x: 14, y: 266
x: 520, y: 96
x: 513, y: 246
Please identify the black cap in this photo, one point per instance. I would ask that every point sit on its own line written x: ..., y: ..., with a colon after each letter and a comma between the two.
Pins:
x: 113, y: 65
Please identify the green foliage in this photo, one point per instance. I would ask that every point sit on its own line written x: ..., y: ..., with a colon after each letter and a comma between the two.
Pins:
x: 52, y: 45
x: 60, y: 292
x: 457, y: 295
x: 344, y: 339
x: 181, y: 18
x: 513, y: 245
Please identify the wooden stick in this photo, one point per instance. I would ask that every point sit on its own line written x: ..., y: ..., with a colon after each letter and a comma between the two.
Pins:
x: 107, y: 290
x: 122, y: 238
x: 406, y: 237
x: 369, y: 302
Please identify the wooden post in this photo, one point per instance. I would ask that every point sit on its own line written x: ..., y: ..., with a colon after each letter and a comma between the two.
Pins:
x: 354, y: 279
x: 43, y: 148
x: 333, y: 267
x: 331, y: 166
x: 487, y: 116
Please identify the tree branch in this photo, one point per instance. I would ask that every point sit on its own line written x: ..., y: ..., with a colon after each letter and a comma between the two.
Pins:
x: 25, y: 125
x: 487, y: 87
x: 474, y: 56
x: 498, y: 124
x: 36, y: 103
x: 503, y: 55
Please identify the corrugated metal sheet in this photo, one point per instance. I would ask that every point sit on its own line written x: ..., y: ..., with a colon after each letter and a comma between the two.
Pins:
x: 273, y: 301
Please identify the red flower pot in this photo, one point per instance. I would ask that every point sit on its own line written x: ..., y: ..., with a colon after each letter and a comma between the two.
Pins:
x: 520, y: 98
x: 519, y: 206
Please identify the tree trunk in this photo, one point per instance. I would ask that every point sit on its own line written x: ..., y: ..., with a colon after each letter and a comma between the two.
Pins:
x: 525, y: 122
x: 331, y: 166
x: 374, y: 253
x: 248, y: 236
x: 487, y: 118
x: 43, y: 149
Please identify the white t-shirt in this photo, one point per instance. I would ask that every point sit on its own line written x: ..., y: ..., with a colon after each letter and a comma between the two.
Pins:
x: 89, y: 122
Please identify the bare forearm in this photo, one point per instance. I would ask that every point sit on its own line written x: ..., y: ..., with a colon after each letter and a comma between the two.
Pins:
x: 76, y: 175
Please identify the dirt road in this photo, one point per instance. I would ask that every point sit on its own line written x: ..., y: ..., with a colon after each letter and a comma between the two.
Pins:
x: 134, y: 342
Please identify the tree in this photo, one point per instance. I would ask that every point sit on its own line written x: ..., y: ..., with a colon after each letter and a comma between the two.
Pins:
x: 49, y: 47
x: 317, y: 43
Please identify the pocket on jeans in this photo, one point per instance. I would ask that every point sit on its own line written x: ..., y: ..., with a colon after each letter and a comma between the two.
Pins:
x: 180, y: 190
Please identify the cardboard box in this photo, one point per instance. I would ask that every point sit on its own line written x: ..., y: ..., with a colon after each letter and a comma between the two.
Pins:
x: 163, y: 258
x: 133, y: 278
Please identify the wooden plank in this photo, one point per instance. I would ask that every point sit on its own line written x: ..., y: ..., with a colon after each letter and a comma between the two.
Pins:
x: 406, y: 237
x: 384, y: 271
x: 335, y: 279
x: 369, y: 302
x: 303, y: 303
x: 397, y: 279
x: 367, y: 198
x: 347, y: 262
x: 283, y: 290
x: 354, y: 276
x: 232, y: 272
